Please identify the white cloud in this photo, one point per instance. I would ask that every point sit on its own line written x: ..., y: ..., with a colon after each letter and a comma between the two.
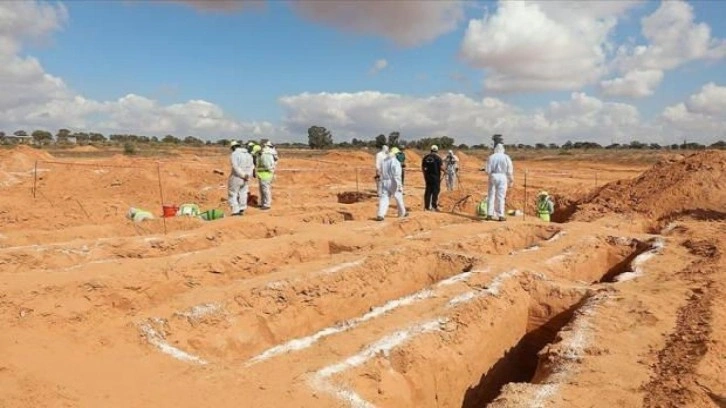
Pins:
x: 542, y: 45
x: 674, y: 39
x: 365, y: 114
x: 223, y: 5
x: 378, y: 66
x: 31, y: 98
x: 634, y: 84
x: 405, y: 22
x: 702, y: 117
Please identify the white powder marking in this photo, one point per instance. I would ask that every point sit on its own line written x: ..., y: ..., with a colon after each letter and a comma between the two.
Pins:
x: 321, y: 379
x: 157, y: 340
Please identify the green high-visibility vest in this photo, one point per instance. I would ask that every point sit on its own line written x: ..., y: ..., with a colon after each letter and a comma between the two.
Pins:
x: 543, y: 209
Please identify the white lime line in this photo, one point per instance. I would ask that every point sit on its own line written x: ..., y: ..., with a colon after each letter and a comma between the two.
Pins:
x: 306, y: 342
x: 321, y: 379
x: 157, y: 340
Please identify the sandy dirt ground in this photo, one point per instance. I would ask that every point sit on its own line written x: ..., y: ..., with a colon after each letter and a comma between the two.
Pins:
x: 620, y: 303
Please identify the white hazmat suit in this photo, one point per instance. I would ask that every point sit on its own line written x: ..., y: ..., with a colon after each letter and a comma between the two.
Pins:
x: 451, y: 164
x: 391, y: 185
x: 501, y: 172
x: 380, y: 157
x: 238, y: 183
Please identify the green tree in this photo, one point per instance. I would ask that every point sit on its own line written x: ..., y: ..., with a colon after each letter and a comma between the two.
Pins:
x: 319, y: 137
x: 393, y: 138
x: 170, y: 139
x: 42, y: 137
x: 20, y: 133
x: 223, y: 142
x: 97, y: 137
x: 62, y: 135
x: 718, y: 145
x: 497, y: 139
x: 380, y: 141
x: 82, y: 138
x: 191, y: 140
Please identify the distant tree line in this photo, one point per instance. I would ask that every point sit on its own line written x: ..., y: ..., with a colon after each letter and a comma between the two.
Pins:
x: 322, y: 138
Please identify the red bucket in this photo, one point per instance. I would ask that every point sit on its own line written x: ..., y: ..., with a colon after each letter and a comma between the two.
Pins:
x: 169, y: 210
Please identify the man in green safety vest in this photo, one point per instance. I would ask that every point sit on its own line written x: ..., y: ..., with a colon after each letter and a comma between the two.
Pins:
x: 545, y: 206
x: 265, y: 172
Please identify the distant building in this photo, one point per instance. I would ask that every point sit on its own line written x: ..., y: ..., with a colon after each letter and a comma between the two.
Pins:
x: 12, y: 139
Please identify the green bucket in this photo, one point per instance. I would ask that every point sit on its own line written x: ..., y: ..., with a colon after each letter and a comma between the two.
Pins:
x: 210, y: 215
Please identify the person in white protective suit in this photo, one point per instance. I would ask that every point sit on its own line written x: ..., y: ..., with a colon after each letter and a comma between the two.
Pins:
x: 265, y: 174
x: 451, y: 166
x: 380, y: 157
x: 238, y: 183
x: 501, y: 172
x: 391, y: 186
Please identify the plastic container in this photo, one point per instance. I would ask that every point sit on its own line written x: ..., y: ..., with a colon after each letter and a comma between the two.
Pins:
x: 169, y: 210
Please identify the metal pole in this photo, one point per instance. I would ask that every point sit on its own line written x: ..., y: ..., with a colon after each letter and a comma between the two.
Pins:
x: 35, y: 178
x: 524, y: 209
x: 595, y: 179
x: 161, y: 194
x: 356, y: 180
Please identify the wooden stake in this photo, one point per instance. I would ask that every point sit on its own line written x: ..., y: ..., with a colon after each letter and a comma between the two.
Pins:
x: 524, y: 209
x: 161, y: 194
x: 35, y: 178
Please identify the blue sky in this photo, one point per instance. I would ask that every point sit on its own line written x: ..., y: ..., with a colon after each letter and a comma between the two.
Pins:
x: 243, y: 61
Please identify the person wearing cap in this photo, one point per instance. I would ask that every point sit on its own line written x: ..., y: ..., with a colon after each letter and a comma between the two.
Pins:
x: 238, y: 182
x: 545, y: 206
x: 391, y: 186
x: 265, y: 172
x: 432, y: 166
x: 501, y: 171
x: 451, y: 164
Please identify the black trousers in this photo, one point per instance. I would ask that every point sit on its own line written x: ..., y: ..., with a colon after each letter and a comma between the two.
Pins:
x: 431, y: 195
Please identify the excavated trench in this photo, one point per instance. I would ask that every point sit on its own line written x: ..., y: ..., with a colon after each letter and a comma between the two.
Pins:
x: 489, y: 342
x: 272, y: 313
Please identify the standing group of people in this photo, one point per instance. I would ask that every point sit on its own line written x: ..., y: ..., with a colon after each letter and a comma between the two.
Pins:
x: 259, y: 161
x: 248, y: 162
x: 499, y: 168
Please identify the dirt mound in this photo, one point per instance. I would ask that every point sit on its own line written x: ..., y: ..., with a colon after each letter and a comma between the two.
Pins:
x: 350, y: 197
x: 22, y: 158
x: 357, y: 156
x: 677, y: 185
x: 87, y: 148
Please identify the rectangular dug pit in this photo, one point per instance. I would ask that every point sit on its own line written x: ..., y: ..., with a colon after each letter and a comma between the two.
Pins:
x: 602, y: 261
x: 483, y: 345
x: 272, y: 314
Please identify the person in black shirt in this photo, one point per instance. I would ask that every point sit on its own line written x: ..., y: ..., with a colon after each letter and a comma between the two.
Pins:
x: 432, y: 166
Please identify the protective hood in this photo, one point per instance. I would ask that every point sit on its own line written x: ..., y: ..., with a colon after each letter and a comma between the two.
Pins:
x: 384, y: 149
x: 499, y: 148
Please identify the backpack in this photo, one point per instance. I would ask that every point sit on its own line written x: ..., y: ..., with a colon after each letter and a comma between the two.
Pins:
x: 213, y: 214
x: 188, y: 209
x: 481, y: 208
x: 401, y: 158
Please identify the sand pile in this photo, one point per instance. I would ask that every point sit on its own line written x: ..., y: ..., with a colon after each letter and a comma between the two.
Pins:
x: 86, y: 148
x: 695, y: 184
x: 22, y: 158
x: 350, y: 156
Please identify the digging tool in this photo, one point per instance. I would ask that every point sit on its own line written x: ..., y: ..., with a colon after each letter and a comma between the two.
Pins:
x: 461, y: 201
